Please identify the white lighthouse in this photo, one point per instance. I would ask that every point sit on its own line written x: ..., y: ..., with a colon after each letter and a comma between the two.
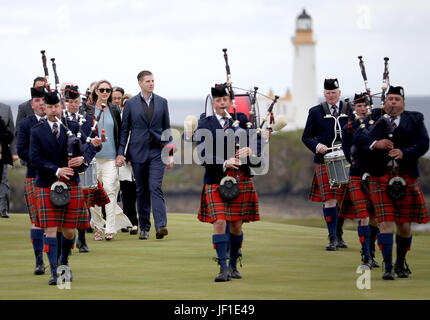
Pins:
x: 304, y: 94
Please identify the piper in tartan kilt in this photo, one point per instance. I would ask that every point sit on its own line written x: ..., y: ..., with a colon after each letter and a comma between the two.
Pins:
x: 319, y: 133
x: 356, y: 204
x: 23, y: 149
x: 213, y: 208
x: 49, y: 156
x: 397, y: 156
x: 94, y: 196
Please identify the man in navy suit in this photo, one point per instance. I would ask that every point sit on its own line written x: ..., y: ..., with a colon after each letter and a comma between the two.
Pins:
x: 146, y: 115
x: 23, y: 148
x: 318, y: 136
x: 394, y: 157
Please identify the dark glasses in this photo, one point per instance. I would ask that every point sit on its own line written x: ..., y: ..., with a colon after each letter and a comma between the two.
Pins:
x: 102, y: 90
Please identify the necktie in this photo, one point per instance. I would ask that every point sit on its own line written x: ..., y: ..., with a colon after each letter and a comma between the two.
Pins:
x: 226, y: 124
x: 74, y: 116
x: 41, y: 120
x: 55, y: 130
x: 393, y: 123
x: 335, y: 113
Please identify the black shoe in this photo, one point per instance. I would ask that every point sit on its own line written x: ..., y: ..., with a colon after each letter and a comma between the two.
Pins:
x: 235, y: 274
x: 388, y: 274
x: 4, y: 215
x: 90, y: 230
x: 341, y: 243
x: 52, y: 280
x: 124, y: 229
x: 374, y: 263
x: 133, y: 231
x: 161, y: 232
x: 82, y: 246
x: 402, y: 270
x: 144, y: 235
x: 331, y: 245
x: 40, y: 269
x: 223, y: 275
x: 365, y: 261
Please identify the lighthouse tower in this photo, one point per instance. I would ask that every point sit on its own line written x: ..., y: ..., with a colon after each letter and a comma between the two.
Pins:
x: 304, y: 93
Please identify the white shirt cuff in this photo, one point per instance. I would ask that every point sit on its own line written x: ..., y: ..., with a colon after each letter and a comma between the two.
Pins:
x: 371, y: 146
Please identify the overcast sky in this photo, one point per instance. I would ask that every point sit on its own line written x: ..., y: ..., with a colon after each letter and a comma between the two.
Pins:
x: 181, y: 43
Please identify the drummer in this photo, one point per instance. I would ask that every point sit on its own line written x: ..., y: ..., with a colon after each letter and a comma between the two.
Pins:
x: 97, y: 195
x: 397, y: 157
x: 356, y: 204
x: 318, y: 136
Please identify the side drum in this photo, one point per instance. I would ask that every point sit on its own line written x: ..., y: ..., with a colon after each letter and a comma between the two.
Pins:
x: 337, y: 168
x: 88, y: 178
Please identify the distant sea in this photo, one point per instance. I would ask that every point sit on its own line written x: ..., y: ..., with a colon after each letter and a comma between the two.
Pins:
x: 180, y: 108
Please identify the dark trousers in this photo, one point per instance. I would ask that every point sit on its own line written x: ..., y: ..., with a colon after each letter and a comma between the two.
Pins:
x: 149, y: 178
x: 128, y: 198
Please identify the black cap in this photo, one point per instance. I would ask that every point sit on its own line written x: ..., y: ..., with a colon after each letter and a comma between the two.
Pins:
x: 51, y: 97
x: 396, y: 90
x: 71, y: 92
x: 37, y: 92
x: 331, y: 84
x: 220, y: 90
x: 360, y: 98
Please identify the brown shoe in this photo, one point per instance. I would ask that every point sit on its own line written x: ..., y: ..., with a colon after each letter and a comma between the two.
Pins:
x: 161, y: 232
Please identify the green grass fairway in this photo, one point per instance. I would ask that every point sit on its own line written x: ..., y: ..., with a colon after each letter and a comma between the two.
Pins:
x: 281, y: 261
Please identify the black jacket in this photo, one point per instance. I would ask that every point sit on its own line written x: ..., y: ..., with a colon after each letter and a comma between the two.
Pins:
x: 6, y: 137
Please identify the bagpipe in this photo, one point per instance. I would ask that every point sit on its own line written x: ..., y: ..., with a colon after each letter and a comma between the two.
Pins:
x: 245, y: 102
x: 383, y: 129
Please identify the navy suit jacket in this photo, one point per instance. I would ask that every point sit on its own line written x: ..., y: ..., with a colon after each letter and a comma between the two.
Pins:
x: 23, y: 143
x: 214, y: 170
x: 320, y: 130
x: 410, y: 136
x: 48, y: 154
x: 135, y: 123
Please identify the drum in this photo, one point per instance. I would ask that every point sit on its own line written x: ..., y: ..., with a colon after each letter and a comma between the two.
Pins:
x: 88, y: 178
x: 337, y: 168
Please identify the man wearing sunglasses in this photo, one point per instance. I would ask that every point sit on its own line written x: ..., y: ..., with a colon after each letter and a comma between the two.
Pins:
x: 146, y: 116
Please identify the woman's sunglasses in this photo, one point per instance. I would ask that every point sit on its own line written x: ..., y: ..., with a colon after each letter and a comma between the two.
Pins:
x: 102, y: 90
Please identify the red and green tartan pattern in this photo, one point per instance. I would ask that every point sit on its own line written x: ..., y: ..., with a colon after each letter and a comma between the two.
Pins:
x: 412, y: 208
x: 244, y: 207
x: 74, y: 215
x: 29, y: 186
x: 356, y: 204
x: 320, y: 189
x: 96, y: 196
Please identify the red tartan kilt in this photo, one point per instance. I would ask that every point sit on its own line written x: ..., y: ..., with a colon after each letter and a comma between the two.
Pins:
x: 96, y: 196
x: 356, y: 204
x: 74, y: 215
x: 412, y: 208
x: 244, y: 207
x: 29, y: 186
x: 320, y: 189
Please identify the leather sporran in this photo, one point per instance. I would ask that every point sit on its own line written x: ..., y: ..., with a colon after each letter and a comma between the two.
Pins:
x: 59, y: 194
x: 396, y: 188
x: 229, y: 188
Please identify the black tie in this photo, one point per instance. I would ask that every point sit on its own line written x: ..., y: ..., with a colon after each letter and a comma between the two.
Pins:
x: 393, y: 123
x: 55, y: 130
x: 335, y: 113
x: 41, y: 120
x: 226, y: 124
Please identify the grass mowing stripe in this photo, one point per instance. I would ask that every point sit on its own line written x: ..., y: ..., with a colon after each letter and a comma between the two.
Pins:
x: 281, y: 261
